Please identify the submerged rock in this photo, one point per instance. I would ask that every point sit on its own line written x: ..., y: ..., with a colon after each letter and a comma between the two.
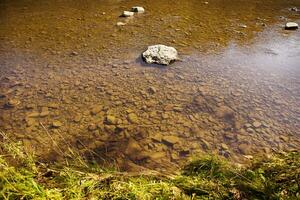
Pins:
x: 133, y: 118
x: 56, y: 124
x: 160, y: 54
x: 13, y: 103
x: 127, y: 14
x: 291, y: 26
x: 137, y: 9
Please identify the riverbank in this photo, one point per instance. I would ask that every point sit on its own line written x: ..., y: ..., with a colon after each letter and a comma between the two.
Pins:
x: 22, y: 176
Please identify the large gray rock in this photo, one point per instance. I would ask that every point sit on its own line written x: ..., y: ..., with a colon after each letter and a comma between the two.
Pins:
x: 160, y: 54
x: 291, y: 26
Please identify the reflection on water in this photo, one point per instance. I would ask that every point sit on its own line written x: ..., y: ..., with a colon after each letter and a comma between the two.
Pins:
x: 70, y: 75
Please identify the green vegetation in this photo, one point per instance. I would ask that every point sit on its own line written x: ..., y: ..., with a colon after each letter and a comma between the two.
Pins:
x: 210, y: 177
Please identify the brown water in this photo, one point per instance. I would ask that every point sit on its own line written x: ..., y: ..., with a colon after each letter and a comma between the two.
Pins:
x: 70, y: 77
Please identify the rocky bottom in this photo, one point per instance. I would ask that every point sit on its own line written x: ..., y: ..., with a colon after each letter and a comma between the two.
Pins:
x: 137, y: 116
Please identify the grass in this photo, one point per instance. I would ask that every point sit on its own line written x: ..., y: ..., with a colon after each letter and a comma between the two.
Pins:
x: 208, y: 177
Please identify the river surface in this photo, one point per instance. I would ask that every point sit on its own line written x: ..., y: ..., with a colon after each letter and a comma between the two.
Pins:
x: 70, y: 78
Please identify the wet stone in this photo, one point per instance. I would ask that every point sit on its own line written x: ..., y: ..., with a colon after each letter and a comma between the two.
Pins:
x: 45, y: 112
x: 160, y: 54
x: 96, y: 109
x: 157, y: 155
x: 133, y: 118
x: 29, y: 106
x: 224, y: 147
x: 77, y: 118
x: 205, y: 144
x: 53, y: 105
x: 170, y: 140
x: 92, y: 127
x: 30, y: 122
x: 244, y: 149
x: 152, y: 90
x: 256, y: 124
x: 112, y: 120
x: 33, y: 114
x: 56, y: 124
x: 13, y: 103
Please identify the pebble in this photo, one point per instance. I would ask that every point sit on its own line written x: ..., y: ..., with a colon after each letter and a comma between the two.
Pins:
x: 291, y: 26
x: 77, y: 118
x: 152, y: 90
x: 121, y: 24
x: 133, y: 118
x: 30, y: 106
x: 295, y: 9
x: 92, y: 127
x: 30, y: 122
x: 13, y: 102
x: 74, y: 53
x: 256, y: 124
x: 170, y: 139
x: 45, y: 112
x: 56, y: 124
x: 96, y: 109
x: 127, y: 14
x: 224, y: 146
x: 33, y: 114
x: 244, y: 149
x: 112, y: 120
x: 137, y: 9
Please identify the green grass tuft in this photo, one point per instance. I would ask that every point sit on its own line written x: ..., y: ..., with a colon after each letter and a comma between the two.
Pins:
x: 210, y: 177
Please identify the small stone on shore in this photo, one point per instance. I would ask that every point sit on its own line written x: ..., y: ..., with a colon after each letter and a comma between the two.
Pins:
x: 127, y: 14
x: 121, y: 24
x: 137, y: 9
x: 291, y: 26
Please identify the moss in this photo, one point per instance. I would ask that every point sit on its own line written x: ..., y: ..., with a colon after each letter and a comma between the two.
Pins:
x: 209, y: 177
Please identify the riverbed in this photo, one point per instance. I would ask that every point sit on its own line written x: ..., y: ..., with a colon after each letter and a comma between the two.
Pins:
x: 71, y: 78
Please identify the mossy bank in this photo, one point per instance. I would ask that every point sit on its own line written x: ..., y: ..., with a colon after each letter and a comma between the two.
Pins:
x: 22, y: 176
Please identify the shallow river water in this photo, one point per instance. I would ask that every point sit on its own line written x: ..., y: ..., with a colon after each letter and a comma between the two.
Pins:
x: 71, y: 78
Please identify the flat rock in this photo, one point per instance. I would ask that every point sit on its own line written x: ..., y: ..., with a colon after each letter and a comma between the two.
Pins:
x: 291, y: 26
x: 56, y: 124
x: 160, y: 54
x: 170, y: 139
x: 137, y: 9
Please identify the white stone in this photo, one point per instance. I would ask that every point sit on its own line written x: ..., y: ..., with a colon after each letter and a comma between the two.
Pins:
x: 127, y: 14
x: 121, y: 24
x: 138, y: 9
x: 291, y: 26
x: 160, y: 54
